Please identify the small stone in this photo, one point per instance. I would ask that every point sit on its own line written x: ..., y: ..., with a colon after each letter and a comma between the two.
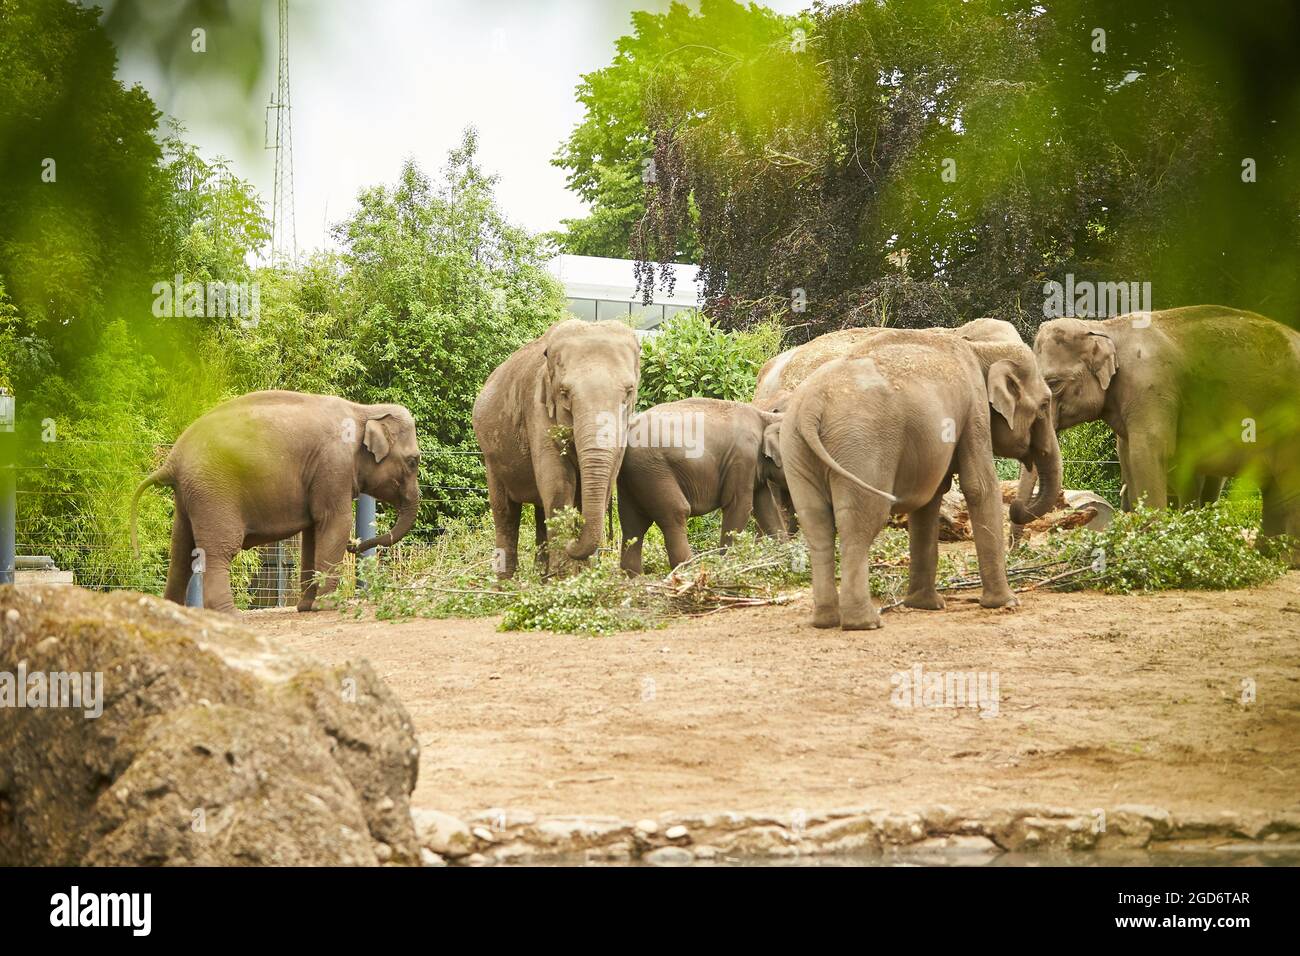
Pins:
x: 484, y: 834
x: 383, y: 852
x: 476, y: 859
x: 678, y: 832
x: 12, y: 615
x: 706, y: 852
x: 669, y: 856
x: 648, y: 827
x: 429, y: 858
x: 49, y: 644
x: 385, y: 805
x: 442, y: 833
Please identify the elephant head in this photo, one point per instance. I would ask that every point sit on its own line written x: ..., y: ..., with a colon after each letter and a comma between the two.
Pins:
x: 770, y: 466
x: 1078, y: 361
x: 1021, y: 421
x: 388, y: 467
x: 588, y: 383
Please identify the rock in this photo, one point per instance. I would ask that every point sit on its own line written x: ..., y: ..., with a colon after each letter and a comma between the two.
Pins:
x: 442, y: 833
x: 669, y: 856
x: 647, y: 826
x: 484, y: 834
x: 678, y: 832
x: 383, y: 852
x: 292, y: 763
x: 429, y: 858
x: 476, y: 859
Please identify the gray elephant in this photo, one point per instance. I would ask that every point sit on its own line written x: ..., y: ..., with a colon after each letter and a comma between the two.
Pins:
x: 551, y: 421
x: 1194, y: 395
x: 691, y: 458
x: 268, y: 465
x: 882, y: 429
x: 1007, y: 365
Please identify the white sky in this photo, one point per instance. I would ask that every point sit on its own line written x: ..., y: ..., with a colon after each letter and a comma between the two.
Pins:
x: 374, y: 83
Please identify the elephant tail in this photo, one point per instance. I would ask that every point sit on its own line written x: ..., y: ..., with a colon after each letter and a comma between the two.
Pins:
x: 808, y: 430
x: 162, y: 476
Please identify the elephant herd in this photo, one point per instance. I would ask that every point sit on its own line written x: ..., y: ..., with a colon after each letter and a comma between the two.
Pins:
x: 843, y: 431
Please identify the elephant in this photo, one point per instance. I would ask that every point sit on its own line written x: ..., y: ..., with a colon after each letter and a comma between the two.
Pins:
x: 551, y: 421
x: 997, y: 345
x: 882, y: 429
x: 691, y: 458
x: 264, y: 466
x: 1194, y: 395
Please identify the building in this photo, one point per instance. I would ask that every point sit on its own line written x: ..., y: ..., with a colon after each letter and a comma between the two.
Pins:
x: 600, y: 288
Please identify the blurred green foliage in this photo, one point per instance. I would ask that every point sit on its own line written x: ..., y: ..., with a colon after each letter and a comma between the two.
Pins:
x: 1101, y: 138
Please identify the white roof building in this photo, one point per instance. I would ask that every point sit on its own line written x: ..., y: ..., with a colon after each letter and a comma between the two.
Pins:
x: 600, y: 288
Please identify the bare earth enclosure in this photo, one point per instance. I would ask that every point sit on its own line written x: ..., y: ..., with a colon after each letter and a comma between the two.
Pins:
x: 1103, y: 701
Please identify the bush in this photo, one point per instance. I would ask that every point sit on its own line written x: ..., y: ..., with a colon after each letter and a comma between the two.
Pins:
x: 689, y: 358
x: 1149, y: 550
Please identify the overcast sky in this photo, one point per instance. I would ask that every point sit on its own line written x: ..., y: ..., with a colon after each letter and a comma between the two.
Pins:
x: 375, y: 82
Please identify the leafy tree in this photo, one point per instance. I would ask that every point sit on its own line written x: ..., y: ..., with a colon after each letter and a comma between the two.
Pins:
x: 440, y: 288
x: 921, y: 162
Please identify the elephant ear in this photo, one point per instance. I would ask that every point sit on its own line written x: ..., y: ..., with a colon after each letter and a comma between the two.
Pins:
x: 1101, y: 358
x: 772, y: 443
x: 1004, y: 390
x: 376, y: 438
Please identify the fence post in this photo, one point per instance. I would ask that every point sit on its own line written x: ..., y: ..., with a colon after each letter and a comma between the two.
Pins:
x: 365, y: 531
x: 8, y: 488
x: 281, y: 579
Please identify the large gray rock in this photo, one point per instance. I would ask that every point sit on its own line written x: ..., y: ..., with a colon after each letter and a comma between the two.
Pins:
x: 214, y: 746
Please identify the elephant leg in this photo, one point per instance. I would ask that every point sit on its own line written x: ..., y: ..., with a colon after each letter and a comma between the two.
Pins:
x: 180, y: 567
x: 1211, y: 489
x: 559, y: 490
x: 307, y: 570
x: 219, y: 536
x: 923, y: 548
x: 1282, y: 515
x: 818, y: 521
x: 674, y: 528
x: 859, y: 516
x: 979, y: 483
x: 767, y: 512
x: 539, y: 538
x: 735, y: 514
x: 331, y: 533
x: 1148, y: 458
x: 633, y: 524
x: 791, y: 515
x: 505, y: 520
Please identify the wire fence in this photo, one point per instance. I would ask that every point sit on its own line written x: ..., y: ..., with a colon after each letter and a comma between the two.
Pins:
x: 73, y: 502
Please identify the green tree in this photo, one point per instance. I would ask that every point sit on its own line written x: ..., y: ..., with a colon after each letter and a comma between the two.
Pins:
x: 440, y: 288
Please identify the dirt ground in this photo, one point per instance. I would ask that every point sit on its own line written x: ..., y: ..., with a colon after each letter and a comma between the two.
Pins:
x: 1103, y: 701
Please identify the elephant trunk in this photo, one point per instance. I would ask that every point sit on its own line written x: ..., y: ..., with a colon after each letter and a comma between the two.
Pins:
x: 405, y: 519
x: 597, y: 463
x: 1044, y: 459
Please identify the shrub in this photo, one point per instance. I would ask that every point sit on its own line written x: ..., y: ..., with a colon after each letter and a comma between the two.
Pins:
x: 689, y: 358
x: 1157, y: 550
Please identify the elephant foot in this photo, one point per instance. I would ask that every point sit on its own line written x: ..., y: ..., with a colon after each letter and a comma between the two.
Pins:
x: 1005, y: 599
x: 870, y: 624
x: 860, y: 619
x: 307, y: 604
x: 826, y: 617
x: 925, y: 601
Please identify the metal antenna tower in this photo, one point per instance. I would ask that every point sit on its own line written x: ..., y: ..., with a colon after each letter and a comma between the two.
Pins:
x: 284, y: 230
